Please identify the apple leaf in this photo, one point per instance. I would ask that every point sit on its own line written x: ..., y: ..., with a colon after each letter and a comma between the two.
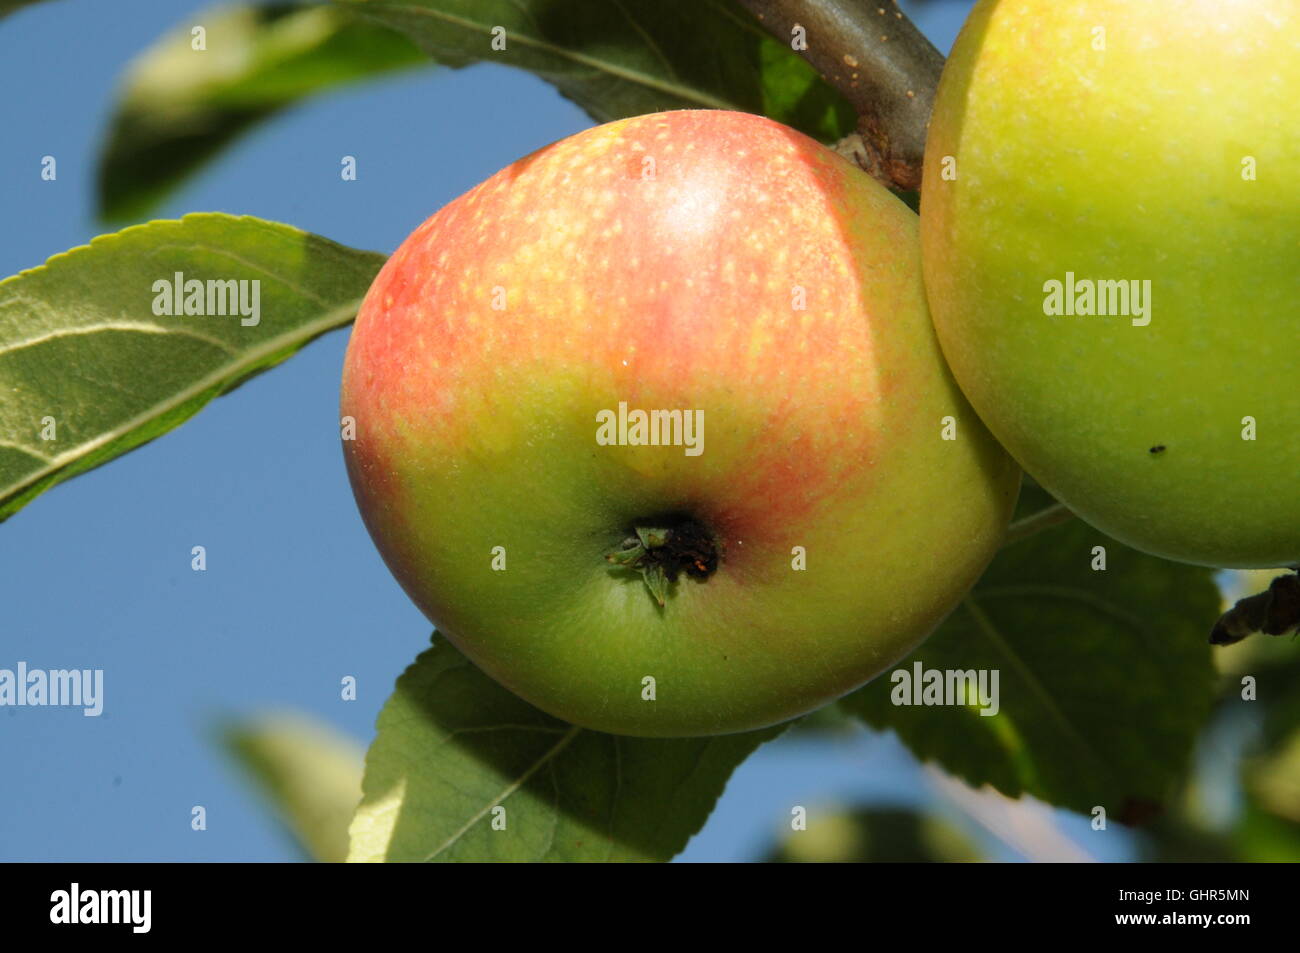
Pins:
x: 1105, y: 676
x: 462, y: 770
x: 310, y: 773
x: 179, y: 106
x: 88, y: 370
x: 628, y: 58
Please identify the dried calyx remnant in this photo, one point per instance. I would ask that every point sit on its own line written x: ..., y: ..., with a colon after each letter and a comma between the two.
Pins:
x: 1275, y: 611
x: 662, y: 549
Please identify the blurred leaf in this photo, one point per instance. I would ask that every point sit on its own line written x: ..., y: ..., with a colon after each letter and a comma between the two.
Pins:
x: 9, y: 6
x: 1174, y: 840
x: 1274, y: 666
x: 457, y: 754
x: 310, y: 773
x: 84, y: 358
x: 1274, y: 780
x: 179, y: 106
x: 1244, y: 803
x: 878, y: 836
x: 631, y: 57
x: 1265, y: 830
x: 1263, y: 837
x: 1105, y: 676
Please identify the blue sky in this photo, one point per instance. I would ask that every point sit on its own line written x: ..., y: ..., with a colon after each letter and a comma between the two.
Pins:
x: 96, y: 574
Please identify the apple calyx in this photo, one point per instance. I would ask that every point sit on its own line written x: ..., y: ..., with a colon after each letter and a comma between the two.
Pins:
x: 662, y: 552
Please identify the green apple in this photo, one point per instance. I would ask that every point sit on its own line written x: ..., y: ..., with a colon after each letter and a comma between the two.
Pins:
x: 1110, y: 232
x: 688, y: 349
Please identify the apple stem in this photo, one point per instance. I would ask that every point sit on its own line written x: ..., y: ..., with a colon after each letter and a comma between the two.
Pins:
x: 1045, y: 518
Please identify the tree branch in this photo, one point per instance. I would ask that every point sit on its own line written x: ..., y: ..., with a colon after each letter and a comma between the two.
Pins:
x: 882, y: 64
x: 1275, y: 611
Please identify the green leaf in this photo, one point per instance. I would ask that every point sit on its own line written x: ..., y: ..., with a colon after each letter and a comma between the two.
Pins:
x: 180, y: 106
x: 88, y: 371
x: 1105, y: 677
x: 457, y: 755
x: 795, y: 94
x: 309, y: 773
x: 631, y: 57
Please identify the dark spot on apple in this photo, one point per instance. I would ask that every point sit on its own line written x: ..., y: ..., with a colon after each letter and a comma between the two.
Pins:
x: 1158, y: 448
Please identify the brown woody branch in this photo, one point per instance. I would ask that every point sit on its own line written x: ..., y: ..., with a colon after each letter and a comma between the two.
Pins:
x: 881, y: 63
x: 1275, y: 611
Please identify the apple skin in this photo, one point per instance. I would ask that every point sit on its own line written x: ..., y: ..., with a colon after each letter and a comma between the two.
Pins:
x: 476, y: 428
x: 1127, y: 163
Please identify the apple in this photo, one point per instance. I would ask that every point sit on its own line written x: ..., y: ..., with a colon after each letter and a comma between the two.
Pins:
x: 1110, y: 225
x: 653, y: 426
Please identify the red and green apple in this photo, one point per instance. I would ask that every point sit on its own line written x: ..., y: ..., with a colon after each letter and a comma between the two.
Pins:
x: 819, y: 498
